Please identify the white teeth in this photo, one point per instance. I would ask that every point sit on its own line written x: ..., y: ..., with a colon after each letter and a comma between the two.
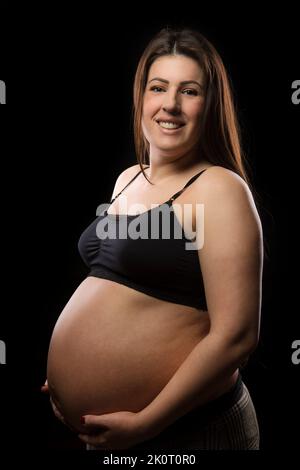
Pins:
x: 169, y: 125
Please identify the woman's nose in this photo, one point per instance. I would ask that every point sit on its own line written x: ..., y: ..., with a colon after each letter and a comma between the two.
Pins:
x: 171, y: 103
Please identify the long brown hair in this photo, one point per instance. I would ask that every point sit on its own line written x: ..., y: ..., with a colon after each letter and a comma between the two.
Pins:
x: 220, y: 138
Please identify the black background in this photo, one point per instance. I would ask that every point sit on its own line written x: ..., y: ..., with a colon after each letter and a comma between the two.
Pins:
x: 66, y: 135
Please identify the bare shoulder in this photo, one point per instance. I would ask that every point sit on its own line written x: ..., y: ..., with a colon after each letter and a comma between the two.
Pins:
x: 124, y: 177
x: 219, y: 184
x: 221, y: 178
x: 226, y: 194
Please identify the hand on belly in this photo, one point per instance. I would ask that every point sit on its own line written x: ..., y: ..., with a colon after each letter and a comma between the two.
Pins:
x: 110, y: 359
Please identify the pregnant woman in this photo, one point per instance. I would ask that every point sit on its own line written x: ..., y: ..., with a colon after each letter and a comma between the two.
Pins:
x: 148, y: 350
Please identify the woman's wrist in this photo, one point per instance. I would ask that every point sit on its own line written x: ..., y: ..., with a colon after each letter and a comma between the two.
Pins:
x: 150, y: 422
x: 148, y: 426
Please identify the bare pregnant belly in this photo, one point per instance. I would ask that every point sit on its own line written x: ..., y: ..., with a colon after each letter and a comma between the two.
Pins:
x: 114, y: 349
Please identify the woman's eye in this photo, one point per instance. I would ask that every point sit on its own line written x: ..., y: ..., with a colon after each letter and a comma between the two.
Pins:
x: 190, y: 92
x: 156, y: 88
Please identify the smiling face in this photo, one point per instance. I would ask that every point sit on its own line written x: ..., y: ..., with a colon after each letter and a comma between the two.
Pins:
x: 172, y: 106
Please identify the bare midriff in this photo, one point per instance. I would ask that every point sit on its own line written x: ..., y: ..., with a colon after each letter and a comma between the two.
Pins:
x: 114, y: 348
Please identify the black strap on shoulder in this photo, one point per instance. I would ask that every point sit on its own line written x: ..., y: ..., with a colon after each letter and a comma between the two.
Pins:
x: 112, y: 200
x: 186, y: 185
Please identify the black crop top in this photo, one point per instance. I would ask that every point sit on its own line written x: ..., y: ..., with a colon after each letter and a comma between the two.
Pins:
x: 160, y: 267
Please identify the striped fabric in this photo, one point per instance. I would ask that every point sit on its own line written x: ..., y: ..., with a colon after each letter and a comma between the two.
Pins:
x: 235, y: 428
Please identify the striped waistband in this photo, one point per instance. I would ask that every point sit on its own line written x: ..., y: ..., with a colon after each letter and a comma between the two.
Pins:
x: 211, y: 410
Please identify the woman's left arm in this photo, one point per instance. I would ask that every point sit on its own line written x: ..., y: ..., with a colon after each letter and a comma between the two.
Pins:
x: 231, y: 262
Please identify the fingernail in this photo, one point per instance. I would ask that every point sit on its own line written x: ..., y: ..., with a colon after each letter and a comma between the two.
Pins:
x: 82, y: 419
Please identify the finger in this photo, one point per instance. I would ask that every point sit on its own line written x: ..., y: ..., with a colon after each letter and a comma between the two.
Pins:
x: 45, y: 388
x: 58, y: 415
x: 56, y: 411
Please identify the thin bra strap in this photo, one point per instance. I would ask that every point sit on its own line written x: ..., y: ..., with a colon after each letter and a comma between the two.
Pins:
x: 112, y: 200
x: 184, y: 187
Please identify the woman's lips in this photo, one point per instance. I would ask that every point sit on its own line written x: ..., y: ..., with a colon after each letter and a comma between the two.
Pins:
x: 170, y: 131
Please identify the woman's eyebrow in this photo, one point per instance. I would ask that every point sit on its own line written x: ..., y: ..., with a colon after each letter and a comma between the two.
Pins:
x: 185, y: 82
